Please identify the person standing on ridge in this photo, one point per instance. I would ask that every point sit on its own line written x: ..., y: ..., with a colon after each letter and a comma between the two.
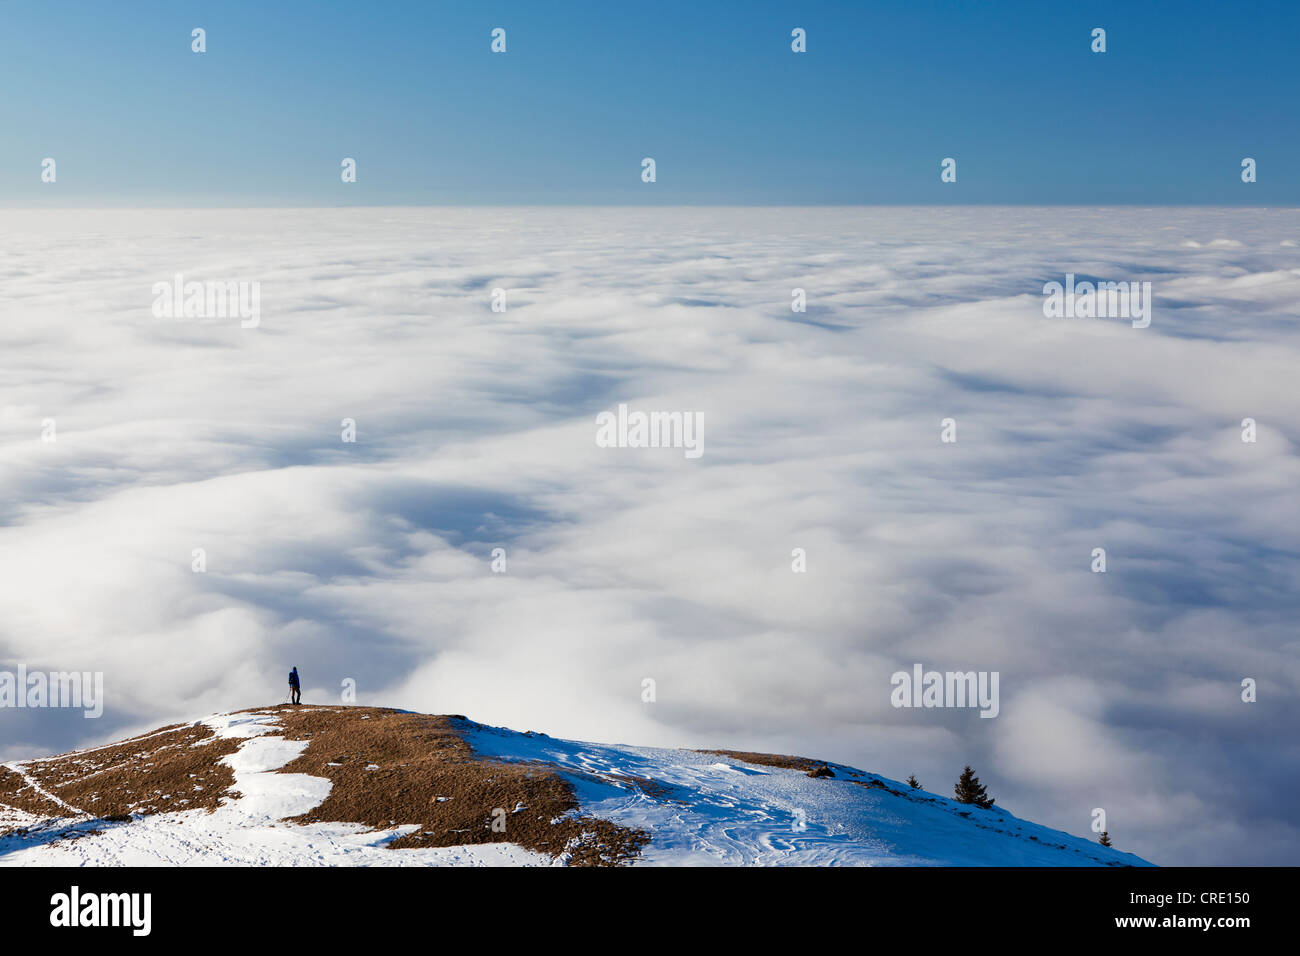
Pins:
x: 295, y: 689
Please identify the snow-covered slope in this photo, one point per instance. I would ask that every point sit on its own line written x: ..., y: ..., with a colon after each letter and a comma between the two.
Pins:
x: 713, y: 808
x: 416, y: 790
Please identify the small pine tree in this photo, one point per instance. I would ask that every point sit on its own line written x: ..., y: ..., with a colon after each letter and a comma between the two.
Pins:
x: 1105, y: 838
x: 970, y: 790
x: 913, y: 782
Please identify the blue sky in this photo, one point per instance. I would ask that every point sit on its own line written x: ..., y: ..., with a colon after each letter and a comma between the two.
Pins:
x: 711, y: 90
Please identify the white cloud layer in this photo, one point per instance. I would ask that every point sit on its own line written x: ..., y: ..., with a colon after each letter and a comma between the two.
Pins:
x: 476, y: 430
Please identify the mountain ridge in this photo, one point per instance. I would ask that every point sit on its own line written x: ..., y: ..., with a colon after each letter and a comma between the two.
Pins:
x: 352, y: 785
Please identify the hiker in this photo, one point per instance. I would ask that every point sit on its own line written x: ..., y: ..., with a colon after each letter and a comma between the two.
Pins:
x: 295, y: 690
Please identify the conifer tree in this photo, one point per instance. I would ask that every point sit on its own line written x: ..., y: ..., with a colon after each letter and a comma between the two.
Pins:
x: 913, y: 782
x: 970, y: 790
x: 1105, y: 838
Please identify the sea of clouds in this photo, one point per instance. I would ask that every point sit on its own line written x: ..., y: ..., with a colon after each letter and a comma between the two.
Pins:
x: 476, y: 430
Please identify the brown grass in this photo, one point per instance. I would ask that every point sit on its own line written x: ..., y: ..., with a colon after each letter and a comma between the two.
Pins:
x: 788, y: 762
x: 387, y: 768
x: 17, y: 793
x: 178, y: 769
x: 390, y: 768
x: 770, y: 760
